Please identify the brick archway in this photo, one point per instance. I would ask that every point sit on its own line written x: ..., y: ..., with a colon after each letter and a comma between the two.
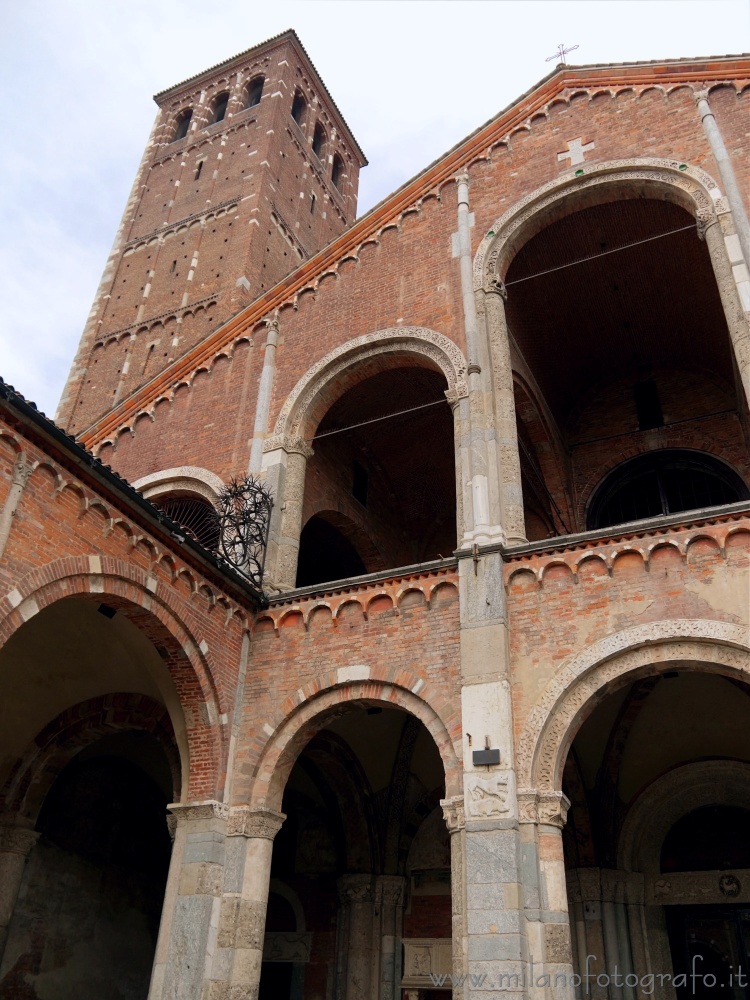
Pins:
x: 688, y: 186
x: 320, y: 385
x: 684, y: 184
x: 585, y: 679
x: 126, y: 589
x: 72, y: 731
x: 318, y: 708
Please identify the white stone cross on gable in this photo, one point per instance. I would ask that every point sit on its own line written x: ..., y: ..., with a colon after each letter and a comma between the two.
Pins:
x: 576, y: 151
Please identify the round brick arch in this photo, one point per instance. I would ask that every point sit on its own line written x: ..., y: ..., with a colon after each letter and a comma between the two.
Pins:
x: 585, y: 679
x: 127, y: 589
x: 318, y: 709
x: 333, y: 374
x: 670, y: 180
x: 71, y: 732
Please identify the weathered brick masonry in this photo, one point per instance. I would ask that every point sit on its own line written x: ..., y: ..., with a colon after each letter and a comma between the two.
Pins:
x: 487, y: 715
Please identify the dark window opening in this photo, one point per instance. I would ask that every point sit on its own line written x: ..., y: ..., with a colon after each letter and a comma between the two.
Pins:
x: 255, y: 92
x: 198, y: 170
x: 337, y: 171
x: 319, y: 138
x: 326, y: 554
x: 220, y: 108
x: 183, y: 124
x: 648, y: 405
x: 360, y: 483
x: 663, y: 482
x: 298, y: 107
x: 692, y: 845
x: 197, y: 517
x: 312, y: 203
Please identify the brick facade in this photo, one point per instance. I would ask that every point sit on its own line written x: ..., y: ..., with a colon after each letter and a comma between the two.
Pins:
x: 412, y: 737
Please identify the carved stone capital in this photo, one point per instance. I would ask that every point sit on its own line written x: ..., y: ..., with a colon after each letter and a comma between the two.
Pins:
x: 261, y: 823
x: 21, y: 471
x: 389, y: 889
x: 356, y: 888
x: 552, y: 808
x: 291, y: 445
x: 496, y: 286
x: 17, y: 840
x: 527, y: 805
x: 453, y: 813
x: 196, y: 812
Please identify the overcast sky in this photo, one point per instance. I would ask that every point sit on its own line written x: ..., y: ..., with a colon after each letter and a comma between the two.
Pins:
x: 412, y: 77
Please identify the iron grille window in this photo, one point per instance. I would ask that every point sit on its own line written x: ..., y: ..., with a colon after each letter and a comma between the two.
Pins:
x: 198, y: 518
x: 663, y: 482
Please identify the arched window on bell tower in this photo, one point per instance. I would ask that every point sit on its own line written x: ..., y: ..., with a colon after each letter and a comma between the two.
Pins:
x: 254, y: 91
x: 319, y: 140
x: 220, y: 107
x: 298, y: 107
x: 183, y: 124
x: 337, y: 171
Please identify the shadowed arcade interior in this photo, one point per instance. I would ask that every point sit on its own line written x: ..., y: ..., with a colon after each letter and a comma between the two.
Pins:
x: 380, y: 493
x: 89, y: 761
x: 362, y: 859
x: 656, y: 844
x: 625, y: 352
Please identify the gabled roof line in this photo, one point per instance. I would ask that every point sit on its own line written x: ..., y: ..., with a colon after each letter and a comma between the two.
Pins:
x: 289, y: 35
x: 437, y: 173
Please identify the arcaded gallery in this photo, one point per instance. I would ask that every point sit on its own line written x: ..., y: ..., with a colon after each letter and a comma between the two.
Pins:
x: 375, y: 611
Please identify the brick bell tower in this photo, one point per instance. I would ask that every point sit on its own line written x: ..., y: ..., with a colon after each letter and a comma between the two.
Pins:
x: 250, y: 169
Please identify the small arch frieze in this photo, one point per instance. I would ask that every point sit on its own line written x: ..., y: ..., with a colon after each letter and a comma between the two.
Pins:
x: 608, y: 551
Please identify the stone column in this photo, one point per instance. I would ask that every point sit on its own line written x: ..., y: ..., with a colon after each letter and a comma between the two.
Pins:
x: 482, y: 518
x: 455, y: 820
x: 357, y: 896
x: 509, y: 461
x: 284, y: 465
x: 733, y: 282
x: 542, y: 817
x: 263, y: 402
x: 726, y: 170
x: 20, y: 477
x: 242, y: 923
x: 389, y: 899
x: 191, y: 902
x: 16, y: 843
x: 495, y: 925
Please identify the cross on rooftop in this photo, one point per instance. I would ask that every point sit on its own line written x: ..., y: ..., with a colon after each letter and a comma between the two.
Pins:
x: 561, y: 53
